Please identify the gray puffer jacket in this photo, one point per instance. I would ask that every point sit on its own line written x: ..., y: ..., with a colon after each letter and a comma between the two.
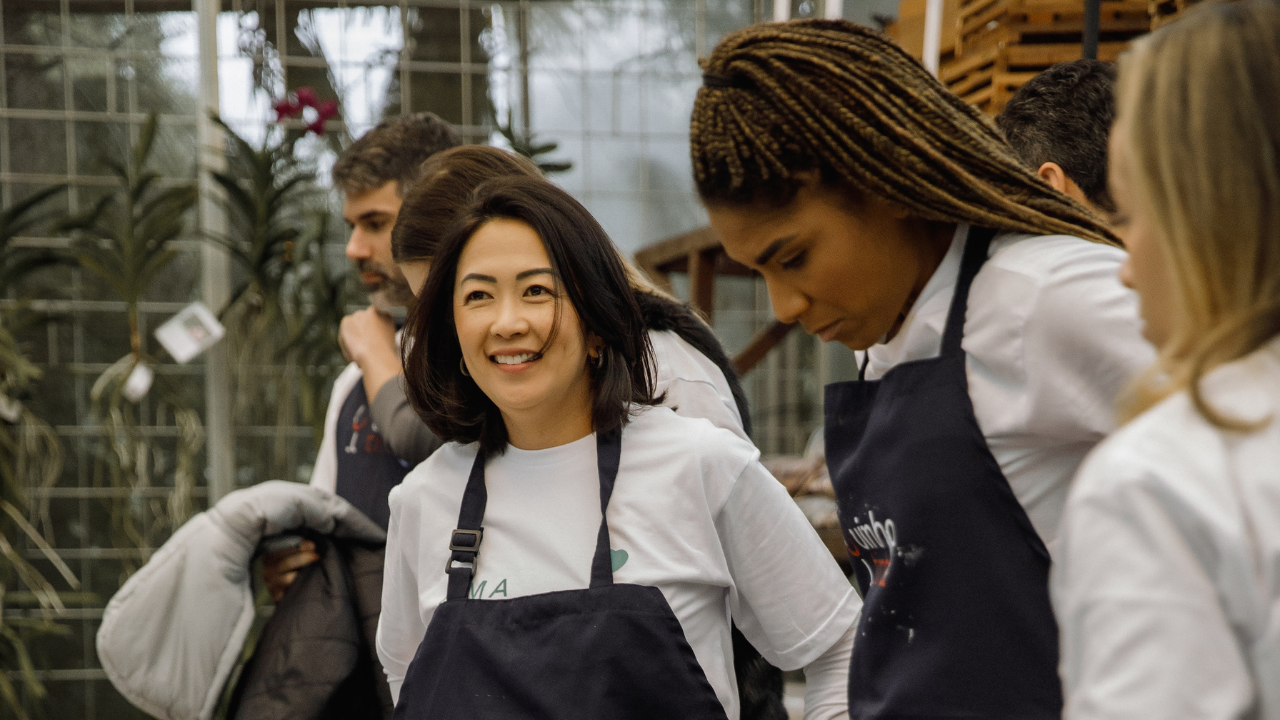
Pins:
x: 172, y: 635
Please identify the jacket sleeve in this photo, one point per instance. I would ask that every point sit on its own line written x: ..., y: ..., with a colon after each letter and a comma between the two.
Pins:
x: 404, y: 432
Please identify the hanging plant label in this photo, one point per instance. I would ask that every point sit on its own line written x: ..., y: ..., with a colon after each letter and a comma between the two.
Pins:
x: 190, y: 332
x: 10, y: 410
x: 138, y: 383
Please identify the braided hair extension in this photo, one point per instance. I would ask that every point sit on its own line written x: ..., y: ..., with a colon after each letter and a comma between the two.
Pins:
x: 828, y: 95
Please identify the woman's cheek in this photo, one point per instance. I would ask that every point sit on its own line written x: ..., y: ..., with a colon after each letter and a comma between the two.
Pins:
x: 470, y: 335
x: 1152, y: 277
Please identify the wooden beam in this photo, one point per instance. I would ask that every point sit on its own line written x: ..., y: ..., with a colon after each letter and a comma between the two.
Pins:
x: 675, y: 249
x: 702, y: 280
x: 760, y: 346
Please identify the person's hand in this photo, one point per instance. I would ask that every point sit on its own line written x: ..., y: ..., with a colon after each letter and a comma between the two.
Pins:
x: 368, y: 339
x: 280, y: 568
x: 367, y: 336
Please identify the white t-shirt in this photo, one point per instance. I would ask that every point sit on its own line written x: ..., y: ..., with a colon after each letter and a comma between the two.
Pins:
x: 1167, y: 584
x: 693, y: 513
x: 1051, y: 339
x: 694, y: 387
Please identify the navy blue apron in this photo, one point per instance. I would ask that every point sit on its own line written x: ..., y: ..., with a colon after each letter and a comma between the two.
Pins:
x: 611, y: 651
x: 366, y: 469
x: 956, y: 621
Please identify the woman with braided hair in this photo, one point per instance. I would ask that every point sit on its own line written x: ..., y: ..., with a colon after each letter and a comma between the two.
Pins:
x: 885, y: 213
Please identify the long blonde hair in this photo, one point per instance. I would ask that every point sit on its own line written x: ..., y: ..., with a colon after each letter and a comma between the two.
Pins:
x: 1199, y: 109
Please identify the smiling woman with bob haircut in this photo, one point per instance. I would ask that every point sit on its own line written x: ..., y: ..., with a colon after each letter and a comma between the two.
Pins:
x: 575, y: 550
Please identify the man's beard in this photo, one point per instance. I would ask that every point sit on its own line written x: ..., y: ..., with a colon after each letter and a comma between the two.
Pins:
x: 391, y: 291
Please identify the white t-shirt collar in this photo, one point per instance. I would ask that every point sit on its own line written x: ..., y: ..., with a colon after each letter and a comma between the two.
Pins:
x: 553, y: 455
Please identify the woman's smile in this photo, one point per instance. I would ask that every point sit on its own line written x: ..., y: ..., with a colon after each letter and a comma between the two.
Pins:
x: 515, y: 360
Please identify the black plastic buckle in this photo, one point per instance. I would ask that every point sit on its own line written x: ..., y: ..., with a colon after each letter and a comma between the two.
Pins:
x: 474, y: 547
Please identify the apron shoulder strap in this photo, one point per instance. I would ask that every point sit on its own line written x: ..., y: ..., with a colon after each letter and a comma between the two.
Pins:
x: 464, y: 545
x: 976, y: 246
x: 608, y: 457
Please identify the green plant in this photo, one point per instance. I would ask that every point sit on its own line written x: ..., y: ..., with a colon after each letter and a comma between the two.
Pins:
x: 524, y: 144
x: 268, y: 191
x: 21, y: 217
x: 320, y: 296
x: 30, y: 455
x: 126, y: 240
x: 280, y: 320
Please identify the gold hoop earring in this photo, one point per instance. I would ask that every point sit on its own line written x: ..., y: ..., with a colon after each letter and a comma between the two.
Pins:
x: 462, y: 365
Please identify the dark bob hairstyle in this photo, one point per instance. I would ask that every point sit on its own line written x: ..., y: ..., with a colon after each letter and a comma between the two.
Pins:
x: 445, y: 186
x: 588, y: 272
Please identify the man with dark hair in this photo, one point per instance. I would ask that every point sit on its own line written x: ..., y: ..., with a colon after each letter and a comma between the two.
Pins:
x: 365, y: 451
x: 1058, y: 122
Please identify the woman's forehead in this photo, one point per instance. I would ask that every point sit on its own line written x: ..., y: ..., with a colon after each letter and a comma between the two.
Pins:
x: 503, y: 248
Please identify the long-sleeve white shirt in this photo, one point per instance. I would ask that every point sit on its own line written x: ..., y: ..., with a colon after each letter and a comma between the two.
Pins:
x: 1167, y: 584
x: 1051, y: 338
x: 693, y: 513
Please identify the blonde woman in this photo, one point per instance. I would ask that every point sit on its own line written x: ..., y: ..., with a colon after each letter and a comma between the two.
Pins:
x: 1167, y: 588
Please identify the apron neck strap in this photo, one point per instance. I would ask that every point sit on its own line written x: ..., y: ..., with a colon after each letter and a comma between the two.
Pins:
x: 976, y: 246
x: 464, y: 545
x: 608, y: 456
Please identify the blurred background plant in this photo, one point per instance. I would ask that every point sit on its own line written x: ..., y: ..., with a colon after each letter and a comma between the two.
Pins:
x: 31, y: 455
x: 321, y: 295
x: 523, y: 143
x: 126, y: 239
x: 267, y: 192
x: 282, y: 317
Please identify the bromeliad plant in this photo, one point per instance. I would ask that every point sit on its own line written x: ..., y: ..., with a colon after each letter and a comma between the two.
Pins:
x: 126, y: 240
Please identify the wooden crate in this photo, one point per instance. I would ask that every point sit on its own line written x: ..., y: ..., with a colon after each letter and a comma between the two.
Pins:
x: 908, y: 29
x: 1164, y: 12
x: 983, y: 24
x: 990, y: 48
x: 988, y: 77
